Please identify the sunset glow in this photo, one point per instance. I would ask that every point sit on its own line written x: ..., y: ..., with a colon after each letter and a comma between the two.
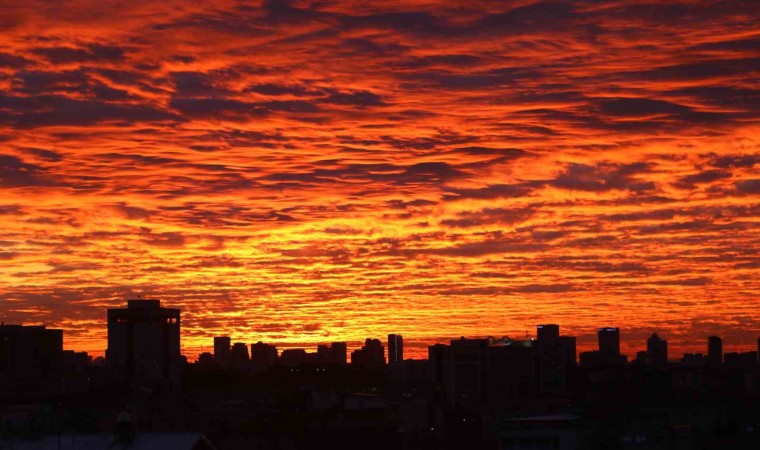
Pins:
x: 306, y: 172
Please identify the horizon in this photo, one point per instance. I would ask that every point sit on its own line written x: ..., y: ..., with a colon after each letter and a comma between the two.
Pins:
x: 417, y: 349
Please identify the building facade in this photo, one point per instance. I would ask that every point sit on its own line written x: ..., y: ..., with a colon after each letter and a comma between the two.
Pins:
x: 395, y: 348
x: 144, y: 344
x: 31, y: 359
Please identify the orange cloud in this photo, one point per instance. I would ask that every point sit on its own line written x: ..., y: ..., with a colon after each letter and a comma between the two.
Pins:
x: 301, y: 173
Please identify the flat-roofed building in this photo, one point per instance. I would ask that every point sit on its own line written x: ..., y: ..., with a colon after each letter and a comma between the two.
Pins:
x: 144, y: 344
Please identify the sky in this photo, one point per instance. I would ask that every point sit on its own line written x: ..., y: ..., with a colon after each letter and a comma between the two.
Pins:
x: 301, y: 172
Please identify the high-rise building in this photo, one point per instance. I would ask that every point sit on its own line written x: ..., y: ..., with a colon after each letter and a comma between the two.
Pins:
x: 547, y: 332
x: 438, y: 356
x: 144, y: 344
x: 31, y: 358
x: 395, y: 348
x: 294, y: 357
x: 222, y: 345
x: 477, y: 371
x: 263, y: 356
x: 568, y: 345
x: 370, y: 356
x: 550, y: 370
x: 325, y: 355
x: 240, y: 361
x: 554, y: 354
x: 340, y: 353
x: 714, y: 351
x: 657, y: 351
x: 609, y: 342
x: 331, y: 355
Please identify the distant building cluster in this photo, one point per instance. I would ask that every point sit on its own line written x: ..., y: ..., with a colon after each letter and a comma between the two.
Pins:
x: 479, y: 392
x: 144, y: 350
x: 262, y: 356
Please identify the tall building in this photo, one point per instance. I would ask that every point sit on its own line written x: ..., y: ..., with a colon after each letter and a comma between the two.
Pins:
x: 554, y: 354
x: 609, y: 342
x: 569, y: 350
x: 438, y: 355
x: 714, y: 351
x: 370, y: 356
x: 340, y: 353
x: 325, y: 356
x: 547, y: 332
x: 222, y: 349
x: 474, y: 372
x: 31, y: 359
x: 550, y: 369
x: 263, y: 356
x: 144, y: 344
x: 239, y: 358
x: 657, y: 351
x: 332, y: 355
x: 395, y: 348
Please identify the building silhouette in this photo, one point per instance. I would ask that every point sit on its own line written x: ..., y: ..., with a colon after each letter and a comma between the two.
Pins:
x: 714, y: 351
x: 693, y: 360
x: 222, y: 347
x: 740, y: 360
x: 609, y: 349
x: 340, y: 353
x: 470, y: 393
x: 294, y: 357
x: 395, y: 348
x: 569, y: 348
x: 609, y: 342
x: 324, y: 355
x: 239, y: 358
x: 554, y: 354
x: 263, y: 356
x: 474, y: 373
x: 330, y: 355
x: 657, y: 351
x: 144, y: 344
x: 547, y: 333
x: 31, y: 358
x: 641, y: 359
x: 370, y: 356
x: 437, y: 359
x: 239, y: 352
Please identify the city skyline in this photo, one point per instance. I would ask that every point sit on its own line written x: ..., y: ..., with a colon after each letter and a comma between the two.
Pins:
x: 608, y: 343
x: 483, y: 393
x: 314, y: 172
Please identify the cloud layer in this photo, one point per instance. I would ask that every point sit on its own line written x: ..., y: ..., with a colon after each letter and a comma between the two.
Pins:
x: 301, y: 172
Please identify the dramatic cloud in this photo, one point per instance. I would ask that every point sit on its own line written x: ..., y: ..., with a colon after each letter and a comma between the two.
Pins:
x: 299, y: 171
